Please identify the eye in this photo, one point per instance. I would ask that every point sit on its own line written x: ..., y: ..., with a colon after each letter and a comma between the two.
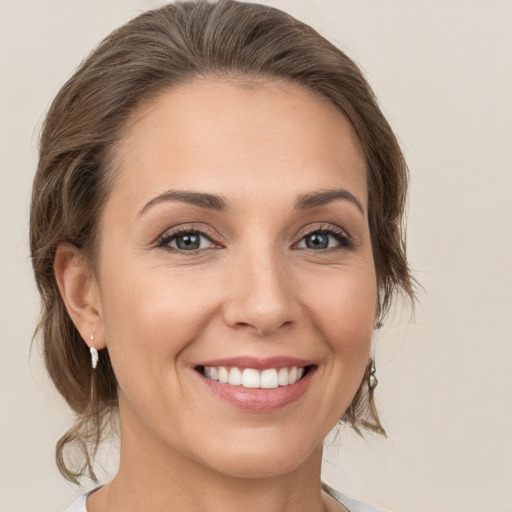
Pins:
x: 325, y: 238
x: 187, y: 240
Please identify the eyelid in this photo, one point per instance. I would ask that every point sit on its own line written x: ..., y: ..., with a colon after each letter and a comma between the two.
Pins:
x: 172, y: 233
x: 347, y: 241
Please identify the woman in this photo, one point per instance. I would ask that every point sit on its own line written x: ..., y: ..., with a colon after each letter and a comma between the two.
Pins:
x: 216, y: 233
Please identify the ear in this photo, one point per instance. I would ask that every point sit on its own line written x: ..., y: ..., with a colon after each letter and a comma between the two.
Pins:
x: 79, y: 291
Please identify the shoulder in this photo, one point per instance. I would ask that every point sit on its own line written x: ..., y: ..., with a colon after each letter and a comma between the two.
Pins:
x: 351, y: 505
x: 80, y: 504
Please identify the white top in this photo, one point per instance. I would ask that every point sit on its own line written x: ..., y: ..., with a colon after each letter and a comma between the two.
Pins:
x: 351, y: 505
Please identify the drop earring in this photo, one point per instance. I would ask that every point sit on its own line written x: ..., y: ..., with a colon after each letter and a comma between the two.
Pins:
x: 94, y: 355
x: 372, y: 380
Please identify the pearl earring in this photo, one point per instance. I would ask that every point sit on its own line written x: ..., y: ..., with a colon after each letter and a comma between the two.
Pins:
x: 94, y: 355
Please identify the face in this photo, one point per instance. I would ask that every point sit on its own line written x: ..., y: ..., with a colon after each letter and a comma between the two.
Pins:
x: 235, y: 247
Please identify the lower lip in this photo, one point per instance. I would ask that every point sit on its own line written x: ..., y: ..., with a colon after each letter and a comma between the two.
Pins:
x: 260, y: 400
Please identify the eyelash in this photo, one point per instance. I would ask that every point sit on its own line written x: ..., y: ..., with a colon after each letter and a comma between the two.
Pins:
x: 167, y: 238
x: 341, y: 236
x: 344, y: 240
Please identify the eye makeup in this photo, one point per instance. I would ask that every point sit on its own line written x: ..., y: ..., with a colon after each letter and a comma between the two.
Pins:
x: 192, y: 240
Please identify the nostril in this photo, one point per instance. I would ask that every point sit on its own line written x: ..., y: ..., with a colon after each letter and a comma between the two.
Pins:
x: 260, y: 308
x: 264, y: 326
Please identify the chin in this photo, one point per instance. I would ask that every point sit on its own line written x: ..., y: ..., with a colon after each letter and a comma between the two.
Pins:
x: 262, y: 460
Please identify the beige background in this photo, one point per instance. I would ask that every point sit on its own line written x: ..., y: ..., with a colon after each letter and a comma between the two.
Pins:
x: 442, y: 70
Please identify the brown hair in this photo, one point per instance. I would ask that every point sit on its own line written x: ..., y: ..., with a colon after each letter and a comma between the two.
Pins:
x: 155, y: 51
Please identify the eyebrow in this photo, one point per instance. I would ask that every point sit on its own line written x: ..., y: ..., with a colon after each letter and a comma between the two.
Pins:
x: 323, y: 197
x: 218, y: 203
x: 210, y: 201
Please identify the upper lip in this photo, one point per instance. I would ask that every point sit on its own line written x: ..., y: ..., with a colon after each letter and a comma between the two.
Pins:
x: 258, y: 363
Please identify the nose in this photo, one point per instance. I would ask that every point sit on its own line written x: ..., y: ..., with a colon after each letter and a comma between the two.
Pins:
x: 261, y: 296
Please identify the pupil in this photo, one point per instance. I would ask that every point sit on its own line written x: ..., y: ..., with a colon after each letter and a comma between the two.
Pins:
x: 317, y: 241
x: 190, y: 241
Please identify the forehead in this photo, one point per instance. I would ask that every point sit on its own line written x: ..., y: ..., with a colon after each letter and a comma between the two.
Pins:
x: 242, y: 138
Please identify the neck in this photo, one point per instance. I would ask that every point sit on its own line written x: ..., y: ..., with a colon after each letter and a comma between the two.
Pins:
x: 153, y: 477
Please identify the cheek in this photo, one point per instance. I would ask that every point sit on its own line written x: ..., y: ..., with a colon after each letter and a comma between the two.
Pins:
x: 345, y: 307
x: 154, y: 311
x: 344, y: 313
x: 151, y: 318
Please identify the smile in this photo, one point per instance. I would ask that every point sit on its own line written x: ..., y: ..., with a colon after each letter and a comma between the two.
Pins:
x: 252, y: 378
x: 257, y: 384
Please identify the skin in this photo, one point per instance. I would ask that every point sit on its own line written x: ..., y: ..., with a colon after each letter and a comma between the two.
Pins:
x: 253, y: 288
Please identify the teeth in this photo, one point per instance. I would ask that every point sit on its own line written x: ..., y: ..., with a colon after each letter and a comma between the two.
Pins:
x: 223, y: 375
x: 268, y: 379
x: 250, y: 378
x: 235, y: 377
x: 282, y: 378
